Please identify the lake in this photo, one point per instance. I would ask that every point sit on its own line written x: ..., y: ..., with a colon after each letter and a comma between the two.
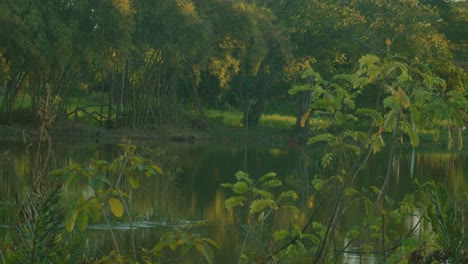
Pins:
x: 189, y: 192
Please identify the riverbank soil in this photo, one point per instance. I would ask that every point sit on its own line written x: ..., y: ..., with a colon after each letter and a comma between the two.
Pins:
x: 75, y: 131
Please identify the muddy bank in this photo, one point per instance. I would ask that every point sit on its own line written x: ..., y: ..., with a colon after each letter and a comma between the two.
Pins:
x: 216, y: 133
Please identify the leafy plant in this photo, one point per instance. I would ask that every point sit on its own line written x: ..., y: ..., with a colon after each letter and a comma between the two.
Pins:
x: 266, y: 202
x: 105, y: 197
x: 40, y: 228
x: 447, y: 216
x: 380, y: 105
x: 179, y: 243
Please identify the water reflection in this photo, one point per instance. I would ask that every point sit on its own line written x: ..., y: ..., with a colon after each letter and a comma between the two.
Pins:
x: 190, y: 191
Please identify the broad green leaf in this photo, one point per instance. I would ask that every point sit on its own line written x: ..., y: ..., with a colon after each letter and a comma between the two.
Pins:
x: 318, y: 184
x: 327, y: 159
x: 292, y: 209
x: 100, y: 163
x: 157, y: 169
x: 296, y: 231
x: 186, y: 238
x: 71, y: 219
x: 117, y: 207
x: 300, y: 88
x: 378, y: 144
x: 227, y: 185
x: 350, y: 191
x: 360, y: 82
x: 375, y: 190
x: 404, y: 99
x: 82, y: 221
x: 323, y: 137
x: 272, y: 183
x: 346, y: 77
x: 134, y: 181
x: 72, y: 179
x: 263, y: 193
x: 309, y: 73
x: 240, y: 187
x: 211, y: 242
x: 103, y: 179
x: 207, y: 251
x: 280, y: 235
x: 353, y: 148
x: 349, y: 103
x: 403, y: 78
x: 173, y: 245
x: 128, y: 148
x: 373, y: 71
x: 368, y: 59
x: 261, y: 204
x: 312, y: 238
x: 414, y: 138
x: 266, y: 176
x: 136, y: 161
x: 260, y: 216
x: 234, y: 201
x: 354, y: 232
x: 289, y: 194
x: 240, y: 175
x: 94, y: 184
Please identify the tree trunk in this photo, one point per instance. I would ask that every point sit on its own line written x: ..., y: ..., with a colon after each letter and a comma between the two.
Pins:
x: 111, y: 101
x: 253, y: 113
x: 304, y: 100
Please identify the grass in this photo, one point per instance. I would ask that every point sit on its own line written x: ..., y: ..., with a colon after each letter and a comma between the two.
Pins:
x: 277, y: 121
x: 234, y: 119
x: 227, y: 118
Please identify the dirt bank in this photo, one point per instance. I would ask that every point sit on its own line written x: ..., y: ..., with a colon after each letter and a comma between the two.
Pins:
x: 82, y: 132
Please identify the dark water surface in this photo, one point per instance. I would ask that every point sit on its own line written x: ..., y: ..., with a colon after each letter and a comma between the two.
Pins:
x: 190, y: 190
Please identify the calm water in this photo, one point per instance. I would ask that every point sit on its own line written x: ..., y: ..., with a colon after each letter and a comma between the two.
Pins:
x: 191, y: 193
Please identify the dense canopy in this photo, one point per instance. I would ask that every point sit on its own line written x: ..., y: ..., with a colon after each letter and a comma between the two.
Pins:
x: 142, y: 60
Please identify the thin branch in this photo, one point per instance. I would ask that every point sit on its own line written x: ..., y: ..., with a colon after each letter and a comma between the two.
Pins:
x: 130, y: 221
x: 388, y: 251
x: 271, y: 255
x: 114, y: 240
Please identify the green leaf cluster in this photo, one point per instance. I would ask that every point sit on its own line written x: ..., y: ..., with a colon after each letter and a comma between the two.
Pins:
x: 180, y: 243
x: 259, y: 194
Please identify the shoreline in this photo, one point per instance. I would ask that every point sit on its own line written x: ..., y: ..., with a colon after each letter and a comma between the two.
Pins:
x: 213, y: 133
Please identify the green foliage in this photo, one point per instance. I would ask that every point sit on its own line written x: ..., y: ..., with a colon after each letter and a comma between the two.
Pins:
x: 40, y: 229
x: 402, y: 89
x: 265, y: 206
x: 103, y: 183
x: 181, y: 242
x: 98, y: 174
x: 260, y: 194
x: 446, y: 214
x: 142, y: 58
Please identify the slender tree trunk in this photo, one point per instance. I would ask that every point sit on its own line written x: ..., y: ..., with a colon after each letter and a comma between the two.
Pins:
x: 120, y: 111
x: 304, y: 100
x: 193, y: 91
x: 102, y: 103
x: 111, y: 102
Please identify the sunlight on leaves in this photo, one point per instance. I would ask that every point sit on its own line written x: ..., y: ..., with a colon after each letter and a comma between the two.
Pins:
x: 117, y: 207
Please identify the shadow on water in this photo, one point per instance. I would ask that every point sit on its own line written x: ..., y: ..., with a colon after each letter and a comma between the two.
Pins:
x: 190, y: 190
